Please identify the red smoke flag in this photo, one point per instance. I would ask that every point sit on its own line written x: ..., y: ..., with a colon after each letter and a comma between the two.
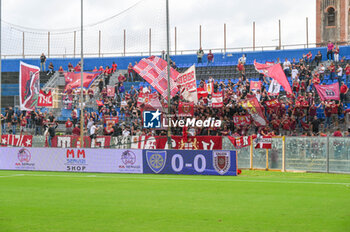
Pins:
x: 217, y: 100
x: 45, y: 99
x: 186, y: 109
x: 29, y: 86
x: 110, y: 91
x: 328, y: 92
x: 254, y: 108
x: 154, y: 70
x: 73, y: 79
x: 255, y: 85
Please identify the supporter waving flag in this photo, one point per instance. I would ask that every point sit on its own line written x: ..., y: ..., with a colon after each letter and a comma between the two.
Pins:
x: 154, y: 70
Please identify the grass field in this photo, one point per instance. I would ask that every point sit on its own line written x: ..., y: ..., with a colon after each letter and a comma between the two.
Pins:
x: 253, y: 201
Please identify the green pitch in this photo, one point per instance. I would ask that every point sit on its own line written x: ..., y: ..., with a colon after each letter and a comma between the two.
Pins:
x: 253, y: 201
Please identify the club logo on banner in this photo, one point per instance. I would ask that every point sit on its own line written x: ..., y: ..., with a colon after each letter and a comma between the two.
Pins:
x: 24, y: 156
x: 221, y: 161
x: 45, y: 99
x: 29, y: 86
x: 156, y: 160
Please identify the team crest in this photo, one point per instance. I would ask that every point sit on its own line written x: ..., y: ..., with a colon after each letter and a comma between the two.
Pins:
x: 221, y: 161
x: 156, y: 160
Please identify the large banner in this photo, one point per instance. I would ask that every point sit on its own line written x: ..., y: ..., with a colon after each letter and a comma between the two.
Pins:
x: 188, y: 85
x: 190, y: 162
x: 178, y: 142
x: 29, y: 86
x: 255, y: 110
x: 154, y: 70
x: 74, y: 141
x: 217, y: 100
x: 73, y: 79
x: 45, y: 99
x: 72, y: 160
x: 16, y: 140
x: 328, y: 92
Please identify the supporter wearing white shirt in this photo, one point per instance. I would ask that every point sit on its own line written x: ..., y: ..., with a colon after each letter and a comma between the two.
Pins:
x: 321, y: 71
x: 286, y: 67
x: 126, y: 132
x: 242, y: 59
x: 295, y: 73
x: 209, y: 101
x: 340, y: 71
x: 258, y: 95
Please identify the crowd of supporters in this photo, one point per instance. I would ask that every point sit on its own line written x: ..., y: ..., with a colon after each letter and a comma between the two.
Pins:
x: 295, y: 115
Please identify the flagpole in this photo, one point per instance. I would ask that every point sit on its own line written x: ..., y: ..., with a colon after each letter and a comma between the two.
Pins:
x: 0, y: 72
x: 168, y: 68
x: 81, y: 81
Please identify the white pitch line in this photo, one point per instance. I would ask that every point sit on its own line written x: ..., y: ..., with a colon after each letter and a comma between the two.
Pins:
x: 178, y: 178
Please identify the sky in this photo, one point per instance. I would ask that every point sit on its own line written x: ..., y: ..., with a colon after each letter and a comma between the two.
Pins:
x: 62, y: 18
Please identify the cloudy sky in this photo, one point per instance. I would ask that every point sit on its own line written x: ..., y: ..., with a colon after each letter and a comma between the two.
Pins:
x: 62, y: 18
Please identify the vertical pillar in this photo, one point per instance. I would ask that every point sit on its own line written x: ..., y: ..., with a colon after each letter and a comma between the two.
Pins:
x: 307, y: 32
x: 284, y: 154
x: 279, y: 34
x: 251, y: 152
x: 124, y: 41
x: 99, y: 43
x: 150, y: 41
x: 48, y: 44
x: 253, y: 36
x: 225, y: 38
x: 75, y: 43
x: 200, y: 36
x: 327, y: 159
x: 267, y: 159
x: 175, y: 40
x: 23, y: 44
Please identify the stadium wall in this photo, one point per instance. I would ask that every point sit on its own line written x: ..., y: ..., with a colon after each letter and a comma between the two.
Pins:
x: 12, y: 65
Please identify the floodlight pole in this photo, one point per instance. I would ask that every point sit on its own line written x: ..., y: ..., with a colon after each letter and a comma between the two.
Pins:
x: 81, y: 81
x: 168, y: 68
x: 0, y: 71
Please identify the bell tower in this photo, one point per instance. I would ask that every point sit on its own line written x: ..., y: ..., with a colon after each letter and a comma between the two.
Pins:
x: 332, y: 21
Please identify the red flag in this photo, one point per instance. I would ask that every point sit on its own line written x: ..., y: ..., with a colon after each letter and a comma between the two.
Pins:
x: 154, y: 71
x: 110, y: 120
x: 110, y: 91
x: 328, y: 92
x: 255, y: 85
x: 99, y: 103
x: 73, y: 79
x: 217, y: 100
x: 276, y: 73
x: 239, y: 142
x: 186, y: 109
x: 29, y: 86
x: 273, y: 103
x: 202, y: 93
x: 45, y: 99
x: 264, y: 142
x: 241, y: 120
x: 188, y: 86
x: 262, y: 68
x: 255, y: 110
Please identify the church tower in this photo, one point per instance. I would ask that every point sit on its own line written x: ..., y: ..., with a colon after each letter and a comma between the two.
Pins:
x: 332, y: 21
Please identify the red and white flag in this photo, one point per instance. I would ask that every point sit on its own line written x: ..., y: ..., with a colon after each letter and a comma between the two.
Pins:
x: 74, y: 79
x: 186, y: 109
x: 239, y: 142
x: 154, y: 70
x: 272, y: 103
x: 29, y: 86
x: 188, y: 86
x: 217, y: 100
x: 264, y: 142
x: 110, y: 91
x: 45, y: 99
x: 202, y: 93
x: 242, y: 120
x: 255, y: 85
x: 274, y: 88
x: 254, y: 108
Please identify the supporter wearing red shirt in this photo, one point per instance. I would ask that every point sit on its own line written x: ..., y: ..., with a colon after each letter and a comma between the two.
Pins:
x: 210, y: 57
x: 101, y: 69
x: 309, y: 57
x: 76, y: 131
x: 23, y: 125
x: 91, y: 93
x: 74, y: 116
x: 327, y: 114
x: 286, y: 125
x: 77, y: 68
x: 69, y: 125
x: 130, y: 72
x: 343, y: 91
x: 114, y: 67
x: 95, y: 69
x: 331, y: 69
x: 70, y: 67
x: 295, y: 87
x: 240, y: 68
x: 60, y: 70
x: 347, y: 73
x: 121, y: 78
x: 276, y: 125
x: 337, y: 133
